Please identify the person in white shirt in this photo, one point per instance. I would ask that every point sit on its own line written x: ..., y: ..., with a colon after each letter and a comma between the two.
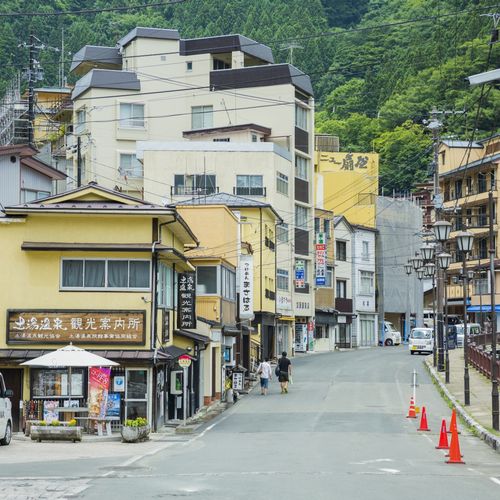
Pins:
x: 265, y: 372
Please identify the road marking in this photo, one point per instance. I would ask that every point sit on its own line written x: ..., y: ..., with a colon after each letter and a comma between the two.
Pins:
x: 374, y: 461
x: 391, y: 471
x: 495, y: 480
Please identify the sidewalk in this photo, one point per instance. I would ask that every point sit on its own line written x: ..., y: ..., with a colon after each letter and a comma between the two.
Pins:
x: 478, y: 413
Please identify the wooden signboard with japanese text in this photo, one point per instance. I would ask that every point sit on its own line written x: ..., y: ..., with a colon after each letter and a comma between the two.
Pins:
x: 186, y: 316
x: 77, y: 326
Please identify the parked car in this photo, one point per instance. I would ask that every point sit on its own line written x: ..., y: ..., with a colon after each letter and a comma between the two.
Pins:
x: 391, y: 335
x: 421, y: 340
x: 472, y: 329
x: 5, y: 414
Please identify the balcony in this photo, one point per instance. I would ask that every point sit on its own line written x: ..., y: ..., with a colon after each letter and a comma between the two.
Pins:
x: 215, y: 308
x: 270, y: 294
x: 343, y: 305
x: 192, y: 191
x: 270, y: 244
x: 249, y: 191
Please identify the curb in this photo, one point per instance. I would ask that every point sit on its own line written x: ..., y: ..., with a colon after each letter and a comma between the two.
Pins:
x: 489, y: 438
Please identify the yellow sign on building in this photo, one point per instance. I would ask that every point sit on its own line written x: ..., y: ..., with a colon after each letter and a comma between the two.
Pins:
x: 347, y: 183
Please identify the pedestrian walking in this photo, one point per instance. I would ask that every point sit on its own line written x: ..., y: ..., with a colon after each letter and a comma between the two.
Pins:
x: 265, y: 371
x: 285, y: 371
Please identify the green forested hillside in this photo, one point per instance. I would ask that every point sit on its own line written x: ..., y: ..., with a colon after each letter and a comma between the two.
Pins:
x: 378, y: 66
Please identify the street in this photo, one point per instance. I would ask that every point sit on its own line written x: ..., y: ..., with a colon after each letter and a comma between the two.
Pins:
x: 340, y: 433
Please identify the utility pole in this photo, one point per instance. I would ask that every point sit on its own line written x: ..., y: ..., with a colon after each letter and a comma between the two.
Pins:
x: 31, y: 89
x: 78, y: 161
x: 290, y: 47
x: 494, y: 381
x: 435, y: 126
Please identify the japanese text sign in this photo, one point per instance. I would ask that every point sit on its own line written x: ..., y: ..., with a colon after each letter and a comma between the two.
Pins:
x: 78, y: 326
x: 320, y: 259
x: 246, y: 287
x: 186, y: 303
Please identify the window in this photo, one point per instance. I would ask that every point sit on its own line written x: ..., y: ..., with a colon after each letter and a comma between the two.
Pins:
x: 249, y: 185
x: 329, y: 277
x: 301, y: 115
x: 131, y: 115
x: 194, y: 184
x: 130, y: 166
x: 202, y: 117
x: 80, y: 121
x: 341, y: 289
x: 54, y: 383
x: 301, y: 216
x: 282, y: 279
x: 228, y: 280
x: 189, y: 66
x: 317, y: 225
x: 341, y: 250
x: 206, y: 280
x: 282, y: 233
x: 98, y: 274
x: 282, y: 183
x: 327, y: 228
x: 254, y: 138
x: 482, y: 182
x: 220, y: 64
x: 301, y: 167
x: 366, y: 282
x: 365, y: 255
x: 165, y: 286
x: 28, y: 195
x: 222, y: 139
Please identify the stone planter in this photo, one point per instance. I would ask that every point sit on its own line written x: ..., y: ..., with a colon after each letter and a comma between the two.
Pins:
x: 135, y: 434
x: 56, y: 433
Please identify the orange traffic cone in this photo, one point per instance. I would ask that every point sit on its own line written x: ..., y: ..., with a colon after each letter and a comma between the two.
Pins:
x: 411, y: 411
x: 455, y: 455
x: 423, y: 421
x: 453, y: 422
x: 443, y: 438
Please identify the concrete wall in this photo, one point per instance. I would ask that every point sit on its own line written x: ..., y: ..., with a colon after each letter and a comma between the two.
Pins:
x: 399, y: 223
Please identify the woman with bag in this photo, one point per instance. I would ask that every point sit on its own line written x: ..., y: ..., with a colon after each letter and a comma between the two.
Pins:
x: 264, y: 371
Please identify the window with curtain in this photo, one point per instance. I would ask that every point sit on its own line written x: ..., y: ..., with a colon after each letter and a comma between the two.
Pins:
x: 301, y: 115
x: 81, y: 117
x: 94, y: 274
x: 197, y: 184
x: 206, y: 280
x: 131, y: 115
x: 282, y: 279
x: 301, y: 167
x: 366, y: 283
x: 130, y: 166
x: 247, y: 185
x: 301, y: 217
x: 282, y: 183
x: 341, y: 289
x: 341, y: 250
x: 228, y: 280
x: 165, y: 286
x: 282, y: 233
x: 202, y: 117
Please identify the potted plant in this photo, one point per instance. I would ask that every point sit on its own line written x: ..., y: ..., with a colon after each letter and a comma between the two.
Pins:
x: 56, y: 431
x: 135, y: 430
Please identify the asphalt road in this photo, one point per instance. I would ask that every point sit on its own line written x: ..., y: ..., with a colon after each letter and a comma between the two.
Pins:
x: 340, y: 433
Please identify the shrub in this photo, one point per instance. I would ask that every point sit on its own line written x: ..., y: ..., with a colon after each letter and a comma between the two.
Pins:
x: 55, y: 423
x: 138, y: 422
x: 72, y: 422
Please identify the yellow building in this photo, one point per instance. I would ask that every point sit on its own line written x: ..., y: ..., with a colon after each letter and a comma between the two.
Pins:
x: 347, y: 184
x: 263, y: 332
x: 467, y: 172
x: 96, y: 268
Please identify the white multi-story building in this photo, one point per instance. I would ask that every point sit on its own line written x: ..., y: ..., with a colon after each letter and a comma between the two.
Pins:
x: 166, y: 118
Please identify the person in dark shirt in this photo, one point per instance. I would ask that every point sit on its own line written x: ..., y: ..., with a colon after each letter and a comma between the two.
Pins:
x: 285, y: 367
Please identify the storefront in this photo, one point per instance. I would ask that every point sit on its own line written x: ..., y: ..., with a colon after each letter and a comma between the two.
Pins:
x: 324, y: 330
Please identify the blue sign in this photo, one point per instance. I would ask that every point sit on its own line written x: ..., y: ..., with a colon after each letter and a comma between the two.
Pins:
x: 320, y: 281
x: 113, y: 407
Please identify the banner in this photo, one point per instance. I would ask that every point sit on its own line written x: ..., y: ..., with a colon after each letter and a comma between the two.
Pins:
x: 113, y: 406
x: 98, y: 391
x: 320, y: 259
x: 186, y: 315
x: 246, y: 287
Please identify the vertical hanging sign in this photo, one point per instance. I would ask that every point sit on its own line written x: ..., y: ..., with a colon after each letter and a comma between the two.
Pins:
x: 300, y: 274
x: 320, y: 259
x: 186, y: 314
x: 246, y: 287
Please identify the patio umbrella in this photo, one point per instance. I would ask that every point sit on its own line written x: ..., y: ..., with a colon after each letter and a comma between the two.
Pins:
x: 69, y: 357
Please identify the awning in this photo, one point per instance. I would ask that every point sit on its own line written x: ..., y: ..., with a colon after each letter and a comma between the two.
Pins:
x: 326, y: 318
x: 231, y: 331
x: 197, y: 337
x: 175, y: 352
x: 484, y: 308
x: 286, y: 318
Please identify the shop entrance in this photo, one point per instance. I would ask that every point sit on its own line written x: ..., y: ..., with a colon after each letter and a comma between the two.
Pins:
x: 136, y: 393
x: 13, y: 378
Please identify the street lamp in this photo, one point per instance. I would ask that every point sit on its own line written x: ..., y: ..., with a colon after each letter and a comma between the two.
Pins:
x: 427, y: 252
x: 429, y: 270
x: 420, y: 274
x: 408, y: 269
x: 417, y: 262
x: 441, y: 230
x: 465, y: 239
x: 444, y: 261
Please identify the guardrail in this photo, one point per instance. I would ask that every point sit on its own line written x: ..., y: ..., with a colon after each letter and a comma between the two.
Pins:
x: 480, y: 357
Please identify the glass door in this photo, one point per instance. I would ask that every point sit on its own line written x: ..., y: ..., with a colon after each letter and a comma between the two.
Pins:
x: 136, y: 393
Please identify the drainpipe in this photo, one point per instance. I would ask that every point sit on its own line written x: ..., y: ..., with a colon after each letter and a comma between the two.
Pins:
x: 260, y: 285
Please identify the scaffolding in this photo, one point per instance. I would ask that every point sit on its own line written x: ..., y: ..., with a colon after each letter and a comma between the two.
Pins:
x: 13, y: 119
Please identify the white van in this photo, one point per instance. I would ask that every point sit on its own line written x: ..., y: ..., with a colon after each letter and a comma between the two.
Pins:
x: 5, y: 414
x: 391, y: 335
x: 428, y: 318
x: 421, y: 340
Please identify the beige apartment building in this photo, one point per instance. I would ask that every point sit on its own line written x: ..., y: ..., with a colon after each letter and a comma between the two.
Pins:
x: 467, y: 172
x: 167, y: 119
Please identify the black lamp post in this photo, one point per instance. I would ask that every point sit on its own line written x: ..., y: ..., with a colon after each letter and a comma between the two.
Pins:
x: 465, y: 239
x: 444, y: 261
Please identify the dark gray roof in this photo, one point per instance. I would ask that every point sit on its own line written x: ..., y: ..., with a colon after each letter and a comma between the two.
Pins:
x: 482, y: 161
x: 226, y: 43
x: 461, y: 144
x: 261, y: 76
x: 139, y: 32
x: 106, y: 79
x: 97, y: 54
x: 229, y: 200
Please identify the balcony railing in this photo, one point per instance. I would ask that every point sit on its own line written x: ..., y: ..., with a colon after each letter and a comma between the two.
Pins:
x: 249, y: 191
x: 481, y: 358
x: 452, y: 194
x: 192, y: 191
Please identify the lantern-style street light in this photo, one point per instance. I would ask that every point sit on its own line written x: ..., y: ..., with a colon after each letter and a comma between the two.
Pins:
x: 427, y: 252
x: 417, y: 262
x: 408, y: 269
x: 441, y: 230
x: 465, y: 240
x: 420, y: 274
x: 444, y: 260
